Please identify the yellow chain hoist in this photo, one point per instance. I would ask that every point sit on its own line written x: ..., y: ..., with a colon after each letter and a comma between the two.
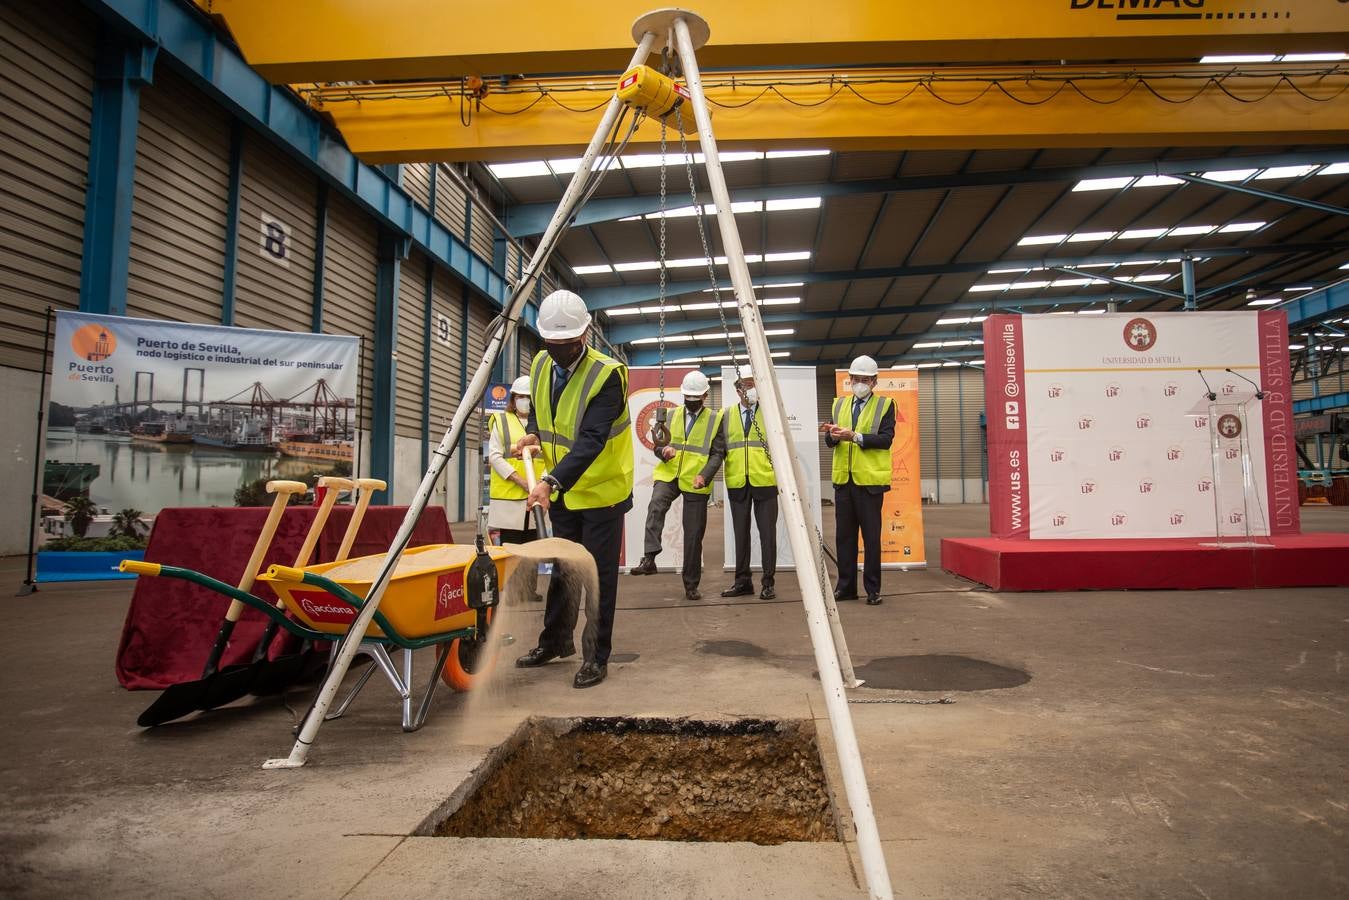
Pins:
x: 644, y: 88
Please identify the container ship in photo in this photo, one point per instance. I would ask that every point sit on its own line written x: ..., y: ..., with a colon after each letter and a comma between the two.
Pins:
x: 312, y: 446
x: 160, y: 433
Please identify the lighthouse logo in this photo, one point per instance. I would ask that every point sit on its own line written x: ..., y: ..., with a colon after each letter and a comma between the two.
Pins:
x: 93, y: 343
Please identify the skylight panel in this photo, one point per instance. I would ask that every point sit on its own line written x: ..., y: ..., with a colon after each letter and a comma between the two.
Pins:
x: 1137, y: 234
x: 519, y: 169
x: 793, y: 154
x: 1339, y: 168
x: 1190, y: 230
x: 591, y: 270
x: 1312, y: 57
x: 1090, y: 236
x: 1103, y: 184
x: 1239, y: 227
x: 1032, y: 240
x: 793, y: 203
x: 1230, y: 174
x: 1285, y: 172
x: 1156, y: 181
x: 1224, y: 59
x: 1265, y: 301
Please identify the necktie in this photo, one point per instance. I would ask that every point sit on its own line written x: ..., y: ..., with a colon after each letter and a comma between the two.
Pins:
x: 857, y: 412
x: 560, y: 376
x: 749, y: 421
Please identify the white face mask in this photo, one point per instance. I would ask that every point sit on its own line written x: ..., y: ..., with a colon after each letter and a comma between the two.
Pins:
x: 522, y: 404
x: 861, y: 390
x: 751, y: 396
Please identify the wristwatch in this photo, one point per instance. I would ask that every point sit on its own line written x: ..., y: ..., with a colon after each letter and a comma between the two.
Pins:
x: 557, y: 485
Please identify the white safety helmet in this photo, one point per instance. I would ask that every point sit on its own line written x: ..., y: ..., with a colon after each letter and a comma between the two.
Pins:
x: 864, y: 366
x: 694, y: 385
x: 563, y: 316
x: 520, y: 387
x: 744, y: 373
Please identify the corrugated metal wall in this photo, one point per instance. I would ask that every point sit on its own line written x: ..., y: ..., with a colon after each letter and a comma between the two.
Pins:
x: 450, y: 202
x: 349, y: 286
x: 269, y: 294
x: 46, y: 90
x: 411, y: 343
x: 178, y: 212
x: 417, y: 182
x: 445, y: 354
x: 479, y: 316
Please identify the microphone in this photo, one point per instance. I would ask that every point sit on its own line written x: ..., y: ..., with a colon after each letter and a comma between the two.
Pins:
x: 1259, y: 393
x: 1209, y: 393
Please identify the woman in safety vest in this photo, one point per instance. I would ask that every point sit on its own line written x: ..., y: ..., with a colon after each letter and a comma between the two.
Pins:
x: 510, y: 486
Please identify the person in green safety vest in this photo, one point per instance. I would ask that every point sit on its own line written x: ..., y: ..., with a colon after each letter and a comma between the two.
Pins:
x: 506, y: 510
x: 687, y: 465
x: 579, y: 419
x: 750, y: 486
x: 861, y: 430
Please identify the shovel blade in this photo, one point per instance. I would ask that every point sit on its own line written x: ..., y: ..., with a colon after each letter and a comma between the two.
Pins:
x: 180, y: 700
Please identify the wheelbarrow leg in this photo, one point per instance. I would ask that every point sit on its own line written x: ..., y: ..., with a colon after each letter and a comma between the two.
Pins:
x: 356, y: 689
x: 442, y: 655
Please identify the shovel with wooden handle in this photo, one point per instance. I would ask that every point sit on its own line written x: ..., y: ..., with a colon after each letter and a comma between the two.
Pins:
x: 540, y: 529
x: 271, y: 676
x: 190, y: 696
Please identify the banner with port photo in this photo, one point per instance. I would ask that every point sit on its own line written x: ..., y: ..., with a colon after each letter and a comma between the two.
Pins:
x: 902, y: 544
x: 797, y: 386
x: 644, y: 398
x: 146, y: 414
x: 1098, y: 425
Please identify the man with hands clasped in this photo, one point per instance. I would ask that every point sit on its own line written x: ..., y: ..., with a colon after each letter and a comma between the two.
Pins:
x: 862, y: 430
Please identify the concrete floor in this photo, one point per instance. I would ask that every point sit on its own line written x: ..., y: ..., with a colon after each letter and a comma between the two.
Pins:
x: 1167, y: 744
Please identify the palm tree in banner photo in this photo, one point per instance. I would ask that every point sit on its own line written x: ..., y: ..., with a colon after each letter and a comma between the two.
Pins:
x: 80, y: 512
x: 128, y: 523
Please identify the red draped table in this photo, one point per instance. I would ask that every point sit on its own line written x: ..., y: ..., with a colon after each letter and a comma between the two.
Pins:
x: 171, y: 623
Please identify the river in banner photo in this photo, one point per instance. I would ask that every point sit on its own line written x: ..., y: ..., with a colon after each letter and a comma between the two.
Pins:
x: 120, y: 471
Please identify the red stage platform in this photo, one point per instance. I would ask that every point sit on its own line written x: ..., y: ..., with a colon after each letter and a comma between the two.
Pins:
x: 1302, y: 560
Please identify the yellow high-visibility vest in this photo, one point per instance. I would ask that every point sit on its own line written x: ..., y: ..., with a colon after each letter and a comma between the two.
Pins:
x: 746, y: 453
x: 510, y: 429
x: 870, y: 467
x: 609, y: 478
x: 692, y: 450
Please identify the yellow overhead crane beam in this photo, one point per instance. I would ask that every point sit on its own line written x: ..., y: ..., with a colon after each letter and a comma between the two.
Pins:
x: 872, y: 109
x: 358, y: 40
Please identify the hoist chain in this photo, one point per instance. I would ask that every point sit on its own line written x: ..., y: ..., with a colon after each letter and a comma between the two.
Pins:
x: 915, y: 701
x: 660, y: 308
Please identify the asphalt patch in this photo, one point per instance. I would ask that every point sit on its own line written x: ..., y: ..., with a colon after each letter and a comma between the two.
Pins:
x: 939, y: 672
x: 731, y: 648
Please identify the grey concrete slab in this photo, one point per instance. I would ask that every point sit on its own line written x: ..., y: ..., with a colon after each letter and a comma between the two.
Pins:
x: 1167, y: 743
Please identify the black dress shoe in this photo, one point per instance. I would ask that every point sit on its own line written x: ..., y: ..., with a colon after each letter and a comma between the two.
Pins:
x: 646, y: 567
x: 873, y: 599
x: 767, y: 593
x: 693, y: 595
x: 840, y: 597
x: 739, y: 590
x: 589, y: 675
x: 538, y: 656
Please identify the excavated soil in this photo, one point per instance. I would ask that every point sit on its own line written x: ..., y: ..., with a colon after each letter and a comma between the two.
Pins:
x: 647, y: 779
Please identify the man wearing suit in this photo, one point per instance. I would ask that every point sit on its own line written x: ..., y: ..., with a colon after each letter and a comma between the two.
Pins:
x: 862, y: 430
x: 750, y: 486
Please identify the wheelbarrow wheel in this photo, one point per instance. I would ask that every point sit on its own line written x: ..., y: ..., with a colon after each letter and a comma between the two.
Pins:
x: 469, y: 661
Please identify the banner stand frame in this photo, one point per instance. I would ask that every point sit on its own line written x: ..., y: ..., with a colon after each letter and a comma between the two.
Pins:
x: 30, y: 579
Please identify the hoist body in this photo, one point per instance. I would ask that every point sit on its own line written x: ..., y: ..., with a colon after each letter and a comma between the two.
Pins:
x: 642, y: 87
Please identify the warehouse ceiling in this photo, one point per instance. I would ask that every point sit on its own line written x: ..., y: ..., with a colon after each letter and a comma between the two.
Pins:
x: 889, y: 253
x: 1062, y: 162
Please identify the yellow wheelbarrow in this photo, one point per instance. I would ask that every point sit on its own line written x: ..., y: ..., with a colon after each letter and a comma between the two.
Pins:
x: 434, y: 599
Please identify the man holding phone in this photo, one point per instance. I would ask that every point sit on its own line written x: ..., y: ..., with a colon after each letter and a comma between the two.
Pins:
x: 862, y: 430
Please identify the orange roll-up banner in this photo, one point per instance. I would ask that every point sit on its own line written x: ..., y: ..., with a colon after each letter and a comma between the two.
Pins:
x: 902, y: 515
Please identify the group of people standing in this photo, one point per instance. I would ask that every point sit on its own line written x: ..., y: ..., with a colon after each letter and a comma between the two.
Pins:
x: 570, y: 414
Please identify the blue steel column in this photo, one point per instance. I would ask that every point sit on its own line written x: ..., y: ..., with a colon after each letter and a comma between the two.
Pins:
x: 232, y: 223
x: 320, y: 257
x: 1187, y: 283
x: 389, y: 261
x: 499, y: 244
x: 121, y: 68
x: 463, y: 387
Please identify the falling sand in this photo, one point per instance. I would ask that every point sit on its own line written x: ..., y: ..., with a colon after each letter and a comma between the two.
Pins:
x: 574, y: 574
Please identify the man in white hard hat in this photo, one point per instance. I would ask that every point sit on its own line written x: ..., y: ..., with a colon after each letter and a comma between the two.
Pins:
x: 686, y: 468
x: 579, y: 420
x: 861, y: 432
x: 507, y: 511
x: 750, y: 486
